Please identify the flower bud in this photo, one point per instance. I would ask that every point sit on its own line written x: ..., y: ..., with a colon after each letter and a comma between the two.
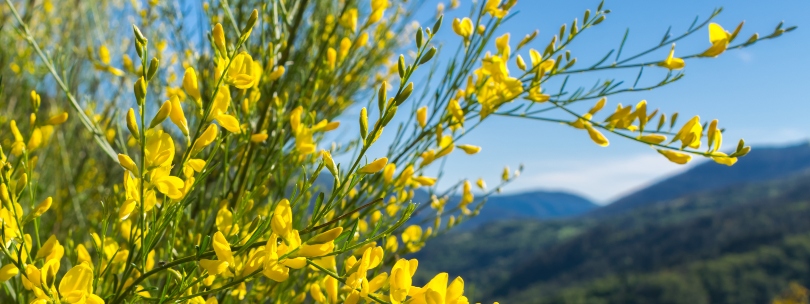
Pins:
x: 405, y: 94
x: 138, y: 35
x: 374, y: 167
x: 190, y: 83
x: 327, y: 236
x: 127, y: 163
x: 428, y: 55
x: 401, y: 66
x: 161, y: 115
x: 132, y: 124
x: 363, y: 123
x: 250, y: 23
x: 421, y: 116
x: 57, y: 119
x: 140, y: 91
x: 153, y: 67
x: 219, y: 40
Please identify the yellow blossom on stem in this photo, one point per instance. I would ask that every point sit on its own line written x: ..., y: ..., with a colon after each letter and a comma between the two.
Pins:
x: 676, y: 157
x: 672, y: 62
x: 374, y: 167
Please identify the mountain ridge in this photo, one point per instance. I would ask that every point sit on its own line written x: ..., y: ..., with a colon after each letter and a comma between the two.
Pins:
x: 761, y: 164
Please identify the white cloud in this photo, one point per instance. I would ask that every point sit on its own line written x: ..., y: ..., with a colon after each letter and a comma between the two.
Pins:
x: 601, y: 180
x: 745, y: 56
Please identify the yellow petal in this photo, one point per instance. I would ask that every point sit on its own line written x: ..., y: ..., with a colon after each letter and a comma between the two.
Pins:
x: 214, y: 267
x: 128, y: 163
x: 258, y: 138
x: 470, y: 149
x: 208, y: 136
x: 652, y: 138
x: 326, y: 236
x: 177, y: 116
x: 717, y: 33
x: 222, y: 248
x: 190, y: 83
x: 8, y: 271
x: 596, y: 136
x: 57, y: 119
x: 676, y: 157
x: 230, y: 123
x: 374, y: 166
x: 722, y: 158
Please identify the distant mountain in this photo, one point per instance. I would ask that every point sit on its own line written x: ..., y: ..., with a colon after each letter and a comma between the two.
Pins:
x: 537, y: 205
x: 761, y: 164
x: 738, y: 243
x: 743, y: 253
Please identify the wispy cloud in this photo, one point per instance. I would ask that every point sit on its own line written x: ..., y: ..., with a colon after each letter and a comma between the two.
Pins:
x: 601, y: 180
x: 745, y: 56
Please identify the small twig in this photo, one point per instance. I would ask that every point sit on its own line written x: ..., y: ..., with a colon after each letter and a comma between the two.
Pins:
x: 341, y: 216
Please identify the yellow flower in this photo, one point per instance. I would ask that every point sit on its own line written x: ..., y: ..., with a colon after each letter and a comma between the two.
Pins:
x: 282, y: 219
x: 8, y: 271
x: 676, y: 157
x: 219, y: 40
x: 401, y: 279
x: 128, y: 163
x: 104, y: 54
x: 715, y: 137
x: 671, y: 62
x: 315, y: 250
x: 159, y: 149
x: 596, y: 136
x: 470, y: 149
x: 42, y: 207
x: 723, y: 158
x: 455, y: 111
x: 57, y: 119
x: 208, y: 136
x: 520, y: 62
x: 421, y: 116
x: 412, y: 238
x: 349, y: 19
x: 463, y: 27
x: 132, y: 123
x: 388, y: 172
x: 222, y: 248
x: 229, y: 122
x: 425, y: 181
x: 374, y: 166
x: 502, y: 44
x: 326, y: 236
x: 690, y: 133
x: 437, y: 289
x: 35, y: 141
x: 224, y: 222
x: 177, y: 116
x: 77, y: 285
x: 277, y: 73
x: 316, y: 293
x: 272, y: 268
x: 214, y: 267
x: 190, y: 84
x: 481, y: 184
x: 493, y: 8
x: 258, y: 137
x: 652, y: 138
x: 719, y: 39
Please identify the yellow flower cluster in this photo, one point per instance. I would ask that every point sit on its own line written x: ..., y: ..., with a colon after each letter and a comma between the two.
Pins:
x: 237, y: 181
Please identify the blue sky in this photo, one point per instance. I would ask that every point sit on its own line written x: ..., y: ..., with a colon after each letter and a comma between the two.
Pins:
x: 756, y: 93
